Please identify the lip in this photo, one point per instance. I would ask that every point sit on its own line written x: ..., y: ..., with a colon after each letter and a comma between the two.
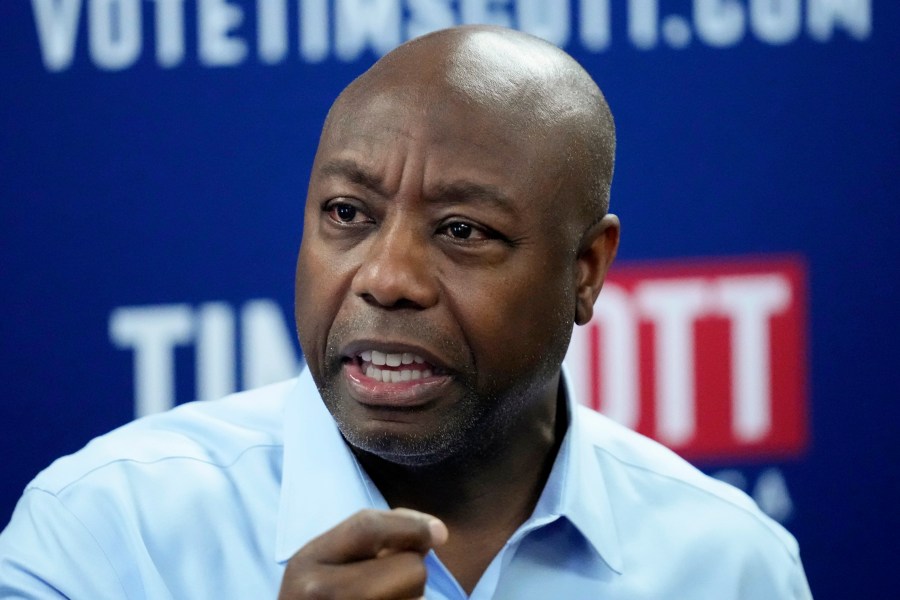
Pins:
x: 378, y: 394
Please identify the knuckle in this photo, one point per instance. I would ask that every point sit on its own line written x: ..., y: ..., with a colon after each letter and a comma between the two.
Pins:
x: 367, y: 517
x: 365, y: 528
x: 366, y: 521
x: 315, y: 589
x: 303, y: 580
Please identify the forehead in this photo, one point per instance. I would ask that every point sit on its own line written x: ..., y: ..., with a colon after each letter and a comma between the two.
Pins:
x: 405, y: 132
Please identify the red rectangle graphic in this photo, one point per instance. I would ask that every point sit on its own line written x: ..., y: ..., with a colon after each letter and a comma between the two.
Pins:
x: 708, y: 357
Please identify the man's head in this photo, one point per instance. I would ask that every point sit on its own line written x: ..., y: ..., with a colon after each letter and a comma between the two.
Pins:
x: 456, y: 218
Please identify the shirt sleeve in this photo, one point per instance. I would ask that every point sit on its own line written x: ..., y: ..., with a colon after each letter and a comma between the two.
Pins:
x: 772, y: 572
x: 47, y: 552
x: 799, y: 583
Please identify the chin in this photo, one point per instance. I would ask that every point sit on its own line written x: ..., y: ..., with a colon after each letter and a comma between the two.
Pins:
x: 402, y: 448
x: 415, y: 438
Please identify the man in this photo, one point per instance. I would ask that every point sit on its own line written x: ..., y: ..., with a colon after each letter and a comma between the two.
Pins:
x: 456, y: 227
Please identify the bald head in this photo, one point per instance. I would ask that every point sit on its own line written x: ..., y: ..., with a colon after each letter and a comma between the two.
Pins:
x: 521, y: 81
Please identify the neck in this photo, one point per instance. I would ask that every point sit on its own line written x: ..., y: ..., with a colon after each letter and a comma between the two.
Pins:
x: 485, y: 495
x: 496, y: 486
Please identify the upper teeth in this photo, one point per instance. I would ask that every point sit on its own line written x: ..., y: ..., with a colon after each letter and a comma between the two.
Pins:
x: 391, y: 359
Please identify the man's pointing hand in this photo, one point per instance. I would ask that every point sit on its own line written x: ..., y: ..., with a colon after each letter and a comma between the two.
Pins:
x: 373, y: 554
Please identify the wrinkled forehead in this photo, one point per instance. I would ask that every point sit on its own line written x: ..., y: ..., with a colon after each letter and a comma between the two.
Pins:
x: 446, y: 137
x: 427, y: 114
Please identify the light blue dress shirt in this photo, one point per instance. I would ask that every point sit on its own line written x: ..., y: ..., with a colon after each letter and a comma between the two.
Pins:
x: 211, y: 499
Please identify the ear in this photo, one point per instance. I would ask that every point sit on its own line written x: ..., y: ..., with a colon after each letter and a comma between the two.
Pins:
x: 595, y: 253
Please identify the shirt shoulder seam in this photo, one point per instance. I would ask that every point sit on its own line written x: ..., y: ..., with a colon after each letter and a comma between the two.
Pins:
x: 755, y: 515
x: 225, y: 465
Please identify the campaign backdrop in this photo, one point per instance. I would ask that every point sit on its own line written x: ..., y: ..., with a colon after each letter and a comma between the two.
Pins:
x: 153, y: 166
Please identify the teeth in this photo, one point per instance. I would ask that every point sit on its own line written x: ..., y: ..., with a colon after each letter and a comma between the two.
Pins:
x: 391, y: 359
x: 391, y: 376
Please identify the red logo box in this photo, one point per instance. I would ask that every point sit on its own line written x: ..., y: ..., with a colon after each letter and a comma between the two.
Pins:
x: 708, y: 357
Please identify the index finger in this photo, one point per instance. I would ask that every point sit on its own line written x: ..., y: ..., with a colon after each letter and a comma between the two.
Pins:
x: 372, y: 533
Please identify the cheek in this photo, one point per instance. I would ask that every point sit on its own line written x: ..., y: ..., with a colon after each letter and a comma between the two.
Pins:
x: 518, y: 323
x: 319, y: 292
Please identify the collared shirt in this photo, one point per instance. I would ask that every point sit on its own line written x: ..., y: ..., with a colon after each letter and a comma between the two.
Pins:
x: 211, y: 499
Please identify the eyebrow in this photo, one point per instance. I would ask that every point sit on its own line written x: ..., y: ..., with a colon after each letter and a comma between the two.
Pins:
x: 450, y: 192
x: 353, y: 172
x: 454, y: 192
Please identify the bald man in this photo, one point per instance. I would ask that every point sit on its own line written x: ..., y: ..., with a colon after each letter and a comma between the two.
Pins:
x: 456, y: 227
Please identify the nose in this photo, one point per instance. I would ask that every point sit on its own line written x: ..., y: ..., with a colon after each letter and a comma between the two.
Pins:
x: 396, y: 272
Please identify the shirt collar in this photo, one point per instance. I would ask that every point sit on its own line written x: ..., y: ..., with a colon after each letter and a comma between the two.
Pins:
x: 576, y: 488
x: 323, y: 484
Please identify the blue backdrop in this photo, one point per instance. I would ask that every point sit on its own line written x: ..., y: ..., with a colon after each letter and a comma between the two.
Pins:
x: 153, y: 168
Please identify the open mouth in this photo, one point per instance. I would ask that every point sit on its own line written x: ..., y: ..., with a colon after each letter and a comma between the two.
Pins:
x: 395, y: 367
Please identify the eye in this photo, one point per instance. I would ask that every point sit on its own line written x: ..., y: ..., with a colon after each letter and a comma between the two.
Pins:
x: 463, y: 231
x: 345, y: 213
